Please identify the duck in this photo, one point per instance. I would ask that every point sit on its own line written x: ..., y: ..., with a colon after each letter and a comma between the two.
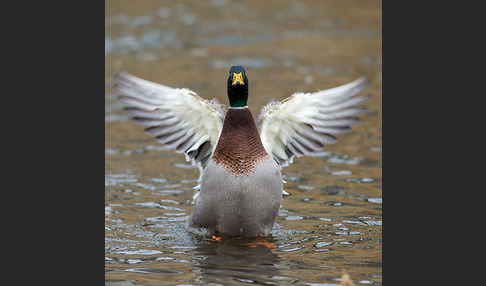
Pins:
x: 240, y: 186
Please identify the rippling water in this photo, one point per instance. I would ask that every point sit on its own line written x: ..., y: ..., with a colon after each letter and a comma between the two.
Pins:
x: 332, y: 220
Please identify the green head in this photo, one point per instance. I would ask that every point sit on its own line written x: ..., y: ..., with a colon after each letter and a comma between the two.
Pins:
x: 237, y: 87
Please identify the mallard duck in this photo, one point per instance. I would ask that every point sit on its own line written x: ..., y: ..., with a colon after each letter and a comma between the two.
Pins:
x: 240, y: 160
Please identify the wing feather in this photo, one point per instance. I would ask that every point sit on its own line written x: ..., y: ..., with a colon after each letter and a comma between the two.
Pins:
x: 176, y: 117
x: 305, y: 122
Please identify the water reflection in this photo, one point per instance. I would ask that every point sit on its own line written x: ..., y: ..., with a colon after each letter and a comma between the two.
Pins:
x: 237, y: 260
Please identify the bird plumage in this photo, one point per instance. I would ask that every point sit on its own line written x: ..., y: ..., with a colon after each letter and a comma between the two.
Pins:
x: 240, y: 187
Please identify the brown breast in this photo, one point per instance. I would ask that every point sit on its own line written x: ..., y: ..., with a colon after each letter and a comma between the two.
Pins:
x: 239, y: 146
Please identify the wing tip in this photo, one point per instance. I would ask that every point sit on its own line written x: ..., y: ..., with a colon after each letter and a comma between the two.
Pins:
x: 121, y: 79
x: 119, y: 75
x: 365, y: 81
x: 364, y: 97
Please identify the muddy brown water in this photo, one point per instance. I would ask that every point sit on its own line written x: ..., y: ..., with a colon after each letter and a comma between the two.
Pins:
x: 331, y: 222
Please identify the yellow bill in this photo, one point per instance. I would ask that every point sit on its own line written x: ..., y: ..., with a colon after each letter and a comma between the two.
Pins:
x: 237, y: 79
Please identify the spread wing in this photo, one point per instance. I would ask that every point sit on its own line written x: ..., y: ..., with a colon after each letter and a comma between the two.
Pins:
x: 305, y: 122
x: 176, y: 117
